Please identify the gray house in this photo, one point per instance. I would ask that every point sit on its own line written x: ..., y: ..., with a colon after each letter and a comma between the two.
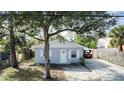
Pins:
x: 60, y: 52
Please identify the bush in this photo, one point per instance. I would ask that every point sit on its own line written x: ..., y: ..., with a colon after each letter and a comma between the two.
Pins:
x: 28, y: 53
x: 82, y: 61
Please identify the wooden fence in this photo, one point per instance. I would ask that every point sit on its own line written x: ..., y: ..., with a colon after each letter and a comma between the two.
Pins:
x: 110, y: 54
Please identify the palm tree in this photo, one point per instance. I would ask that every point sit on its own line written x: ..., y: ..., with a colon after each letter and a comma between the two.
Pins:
x: 117, y: 35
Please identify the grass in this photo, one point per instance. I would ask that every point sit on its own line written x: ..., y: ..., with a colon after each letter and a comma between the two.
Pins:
x: 30, y: 72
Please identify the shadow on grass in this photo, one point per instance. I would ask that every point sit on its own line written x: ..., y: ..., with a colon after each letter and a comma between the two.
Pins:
x: 3, y: 67
x: 31, y: 73
x: 26, y: 75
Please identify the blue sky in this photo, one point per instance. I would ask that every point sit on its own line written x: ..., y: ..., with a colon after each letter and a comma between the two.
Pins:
x: 121, y: 19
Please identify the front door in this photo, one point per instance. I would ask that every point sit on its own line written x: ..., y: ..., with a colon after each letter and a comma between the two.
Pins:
x: 63, y: 54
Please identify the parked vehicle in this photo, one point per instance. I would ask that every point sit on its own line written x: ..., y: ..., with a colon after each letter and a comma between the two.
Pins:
x: 87, y: 53
x: 4, y: 56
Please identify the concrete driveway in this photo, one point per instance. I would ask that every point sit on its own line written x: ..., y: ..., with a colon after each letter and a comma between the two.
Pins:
x: 105, y: 70
x: 78, y: 73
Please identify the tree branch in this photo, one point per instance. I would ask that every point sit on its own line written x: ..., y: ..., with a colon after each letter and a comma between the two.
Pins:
x: 33, y: 36
x: 59, y: 31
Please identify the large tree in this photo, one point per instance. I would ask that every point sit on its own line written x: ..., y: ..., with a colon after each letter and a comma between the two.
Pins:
x: 52, y: 23
x: 117, y: 35
x: 9, y: 21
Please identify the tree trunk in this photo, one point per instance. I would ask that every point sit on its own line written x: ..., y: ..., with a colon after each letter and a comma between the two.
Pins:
x: 46, y: 55
x: 120, y: 47
x: 13, y: 59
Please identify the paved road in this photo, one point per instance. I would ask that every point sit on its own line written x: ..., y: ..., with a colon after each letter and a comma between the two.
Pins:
x: 78, y: 73
x: 105, y: 70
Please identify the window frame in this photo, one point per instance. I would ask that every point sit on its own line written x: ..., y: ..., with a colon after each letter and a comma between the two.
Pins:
x: 71, y: 54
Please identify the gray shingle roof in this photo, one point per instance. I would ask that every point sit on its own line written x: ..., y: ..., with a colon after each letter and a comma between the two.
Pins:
x: 64, y: 44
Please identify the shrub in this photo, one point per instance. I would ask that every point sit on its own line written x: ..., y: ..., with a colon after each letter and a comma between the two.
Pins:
x: 82, y: 61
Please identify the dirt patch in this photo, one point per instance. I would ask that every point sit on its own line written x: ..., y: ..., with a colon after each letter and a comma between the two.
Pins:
x: 57, y: 72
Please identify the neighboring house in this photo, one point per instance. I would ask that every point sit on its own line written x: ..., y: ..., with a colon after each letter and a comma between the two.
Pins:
x: 60, y: 52
x: 103, y: 43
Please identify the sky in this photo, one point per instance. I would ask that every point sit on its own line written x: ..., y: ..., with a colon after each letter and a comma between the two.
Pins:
x: 121, y: 19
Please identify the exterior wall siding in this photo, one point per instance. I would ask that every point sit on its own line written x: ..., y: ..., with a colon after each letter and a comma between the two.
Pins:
x: 75, y: 60
x: 56, y: 56
x: 38, y: 58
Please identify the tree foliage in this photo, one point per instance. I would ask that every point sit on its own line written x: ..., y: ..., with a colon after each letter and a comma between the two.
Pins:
x: 9, y: 23
x: 117, y: 35
x: 86, y: 41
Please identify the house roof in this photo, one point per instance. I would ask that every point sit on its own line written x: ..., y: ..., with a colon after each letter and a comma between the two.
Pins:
x: 62, y: 44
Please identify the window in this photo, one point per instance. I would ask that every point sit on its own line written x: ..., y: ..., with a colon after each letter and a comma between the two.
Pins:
x: 73, y: 54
